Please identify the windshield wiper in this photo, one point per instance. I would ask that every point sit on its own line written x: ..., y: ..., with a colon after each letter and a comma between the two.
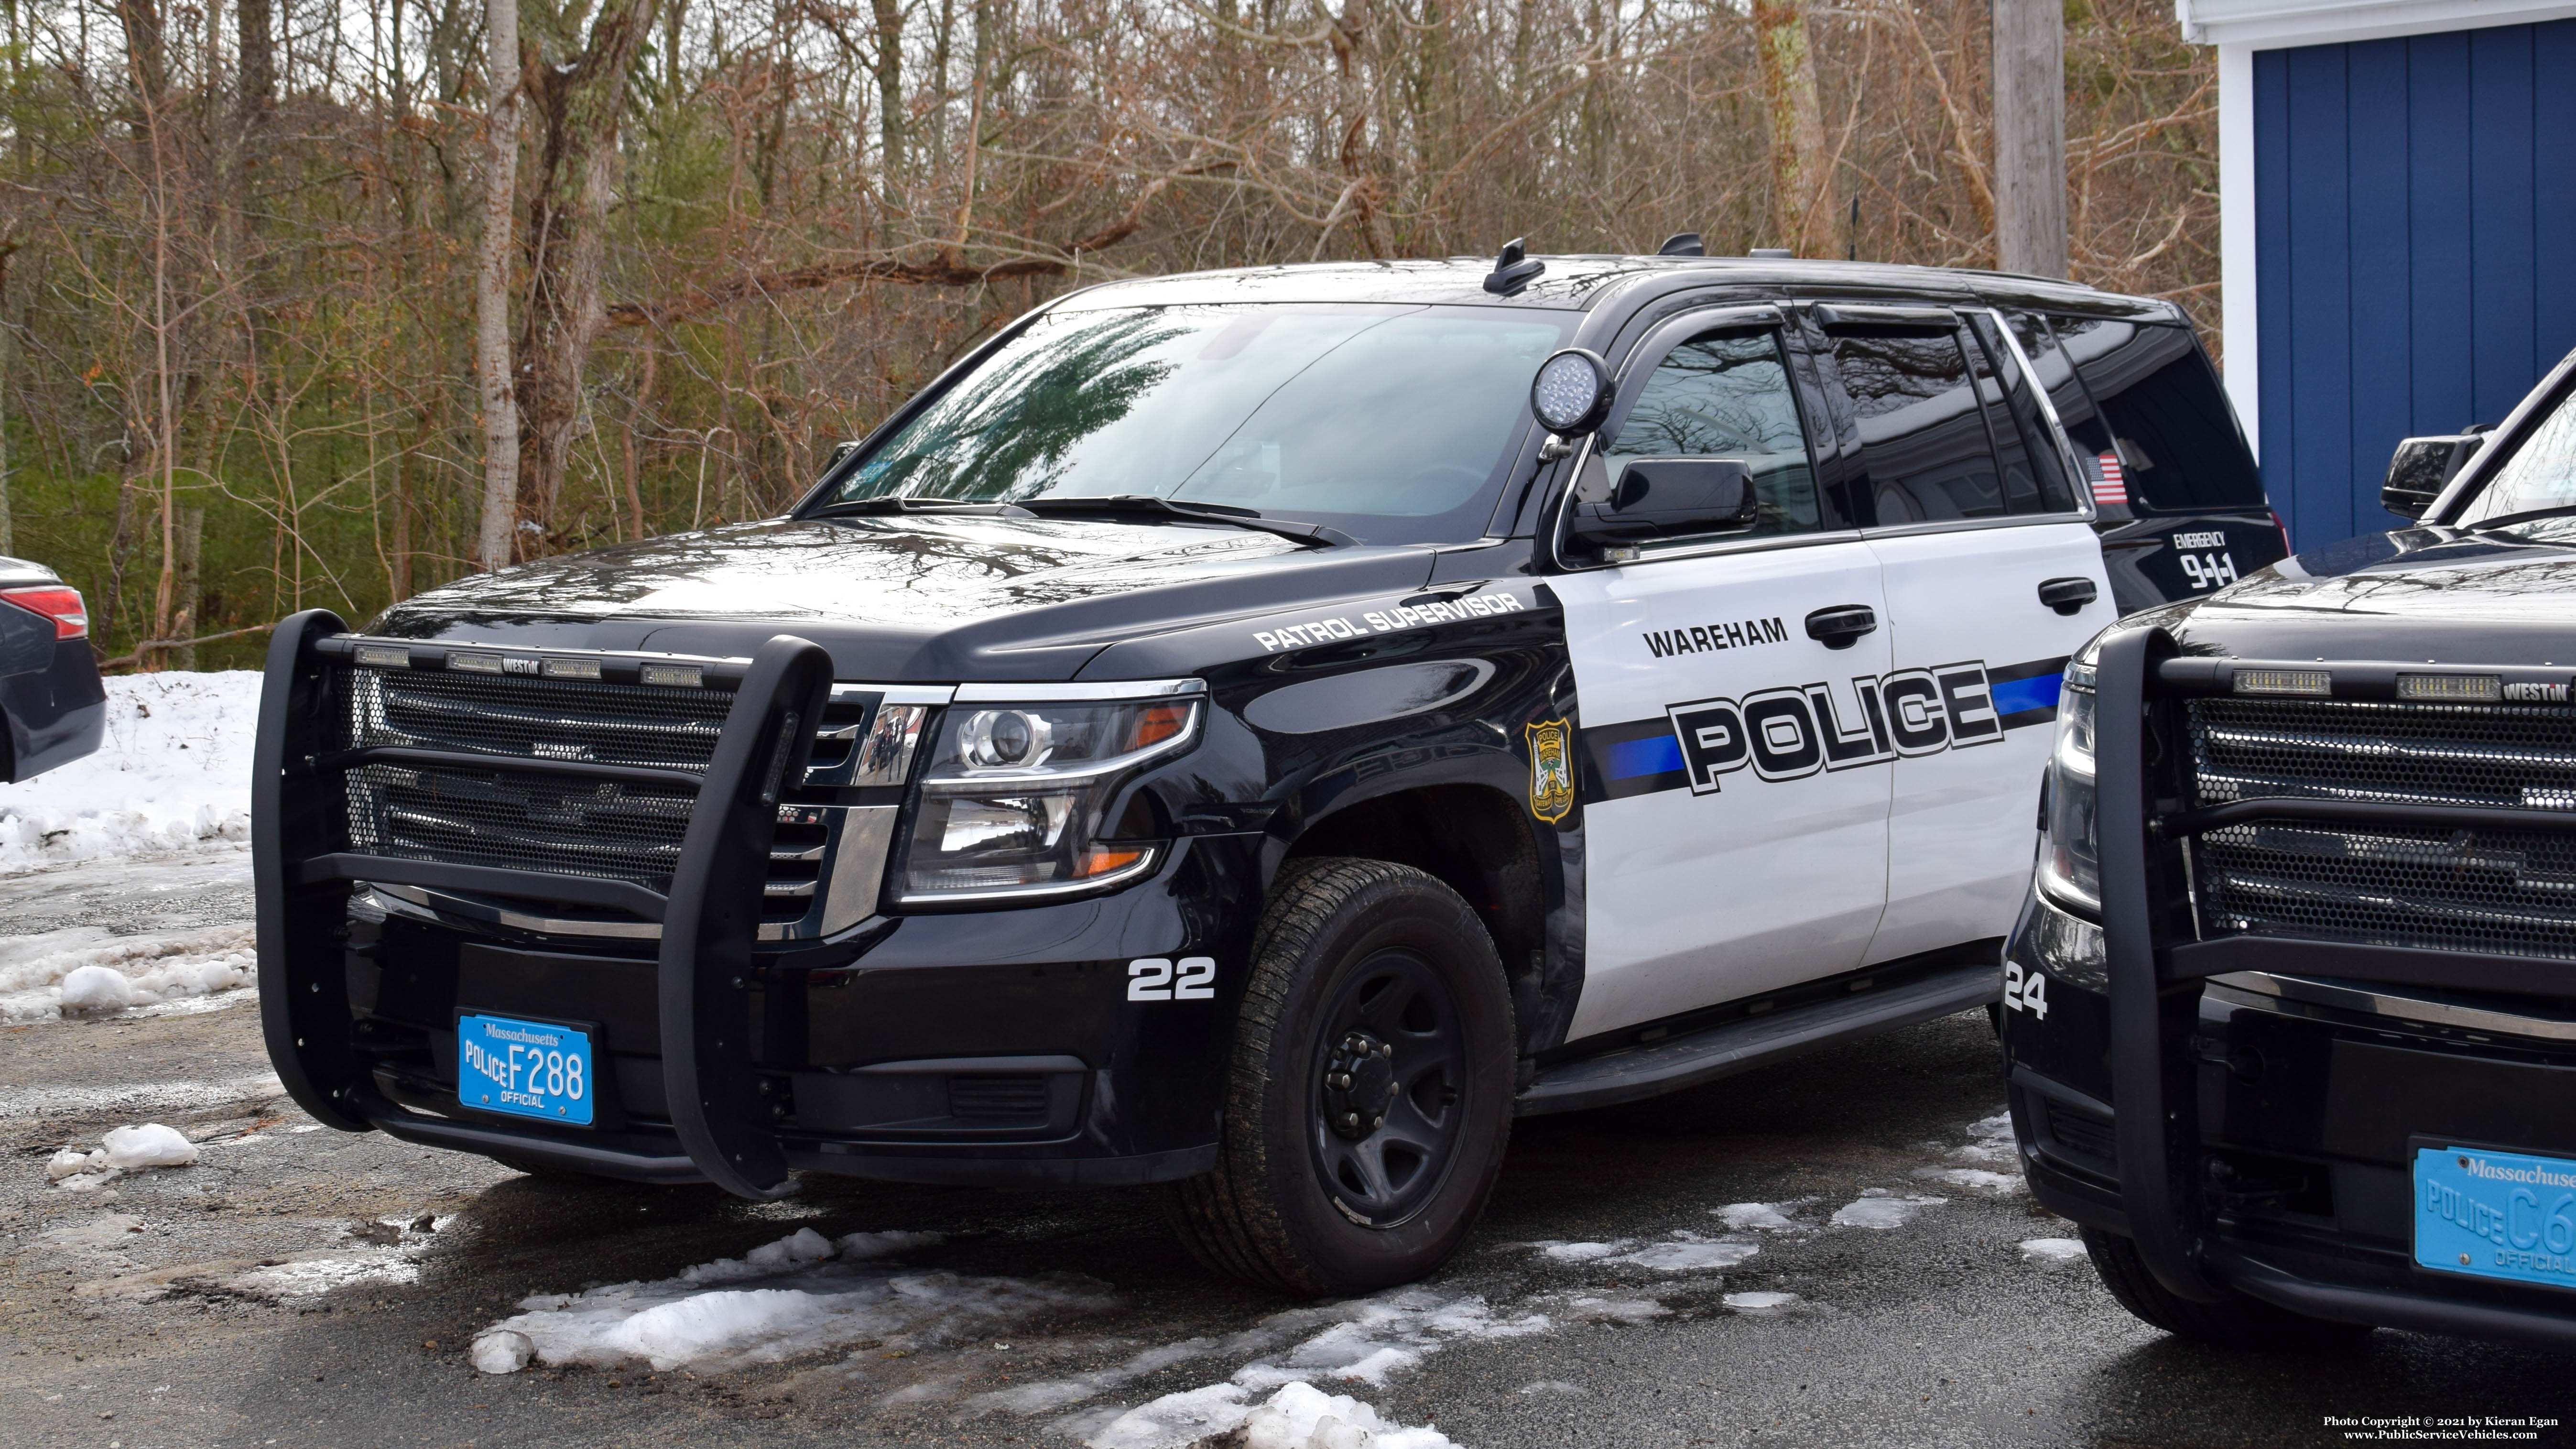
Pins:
x: 1116, y: 503
x: 896, y: 507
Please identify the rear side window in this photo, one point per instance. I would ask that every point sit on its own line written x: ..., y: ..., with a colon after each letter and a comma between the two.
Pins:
x: 1727, y: 395
x: 2157, y: 411
x: 1923, y: 441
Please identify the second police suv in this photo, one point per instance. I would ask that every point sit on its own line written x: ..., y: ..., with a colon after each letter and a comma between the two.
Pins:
x: 1256, y: 732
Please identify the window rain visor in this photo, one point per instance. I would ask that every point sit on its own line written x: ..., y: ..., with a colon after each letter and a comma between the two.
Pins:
x: 1390, y: 423
x: 1015, y: 797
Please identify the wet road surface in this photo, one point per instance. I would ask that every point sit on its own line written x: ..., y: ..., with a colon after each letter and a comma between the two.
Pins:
x: 1828, y: 1252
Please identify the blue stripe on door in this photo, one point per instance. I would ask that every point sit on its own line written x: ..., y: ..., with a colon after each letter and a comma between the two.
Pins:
x: 2037, y: 692
x: 1652, y: 756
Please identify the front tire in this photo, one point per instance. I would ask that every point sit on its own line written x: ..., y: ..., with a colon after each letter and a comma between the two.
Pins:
x: 2237, y: 1322
x: 1369, y: 1097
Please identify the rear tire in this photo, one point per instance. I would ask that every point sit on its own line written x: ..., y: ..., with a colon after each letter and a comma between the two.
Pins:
x: 2239, y: 1321
x: 1369, y: 1097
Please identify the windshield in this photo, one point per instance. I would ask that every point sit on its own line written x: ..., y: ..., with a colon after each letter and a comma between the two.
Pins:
x: 2540, y: 474
x: 1390, y: 423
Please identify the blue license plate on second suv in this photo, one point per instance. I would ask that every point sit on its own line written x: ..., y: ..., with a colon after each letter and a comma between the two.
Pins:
x: 525, y: 1068
x: 2493, y: 1214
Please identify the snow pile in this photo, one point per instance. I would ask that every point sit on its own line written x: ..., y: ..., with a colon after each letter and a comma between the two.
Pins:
x: 124, y: 1149
x: 1683, y: 1252
x: 801, y: 1294
x: 2052, y: 1250
x: 172, y: 774
x: 1882, y: 1209
x: 1298, y: 1416
x: 1990, y: 1146
x: 1976, y: 1179
x: 87, y: 971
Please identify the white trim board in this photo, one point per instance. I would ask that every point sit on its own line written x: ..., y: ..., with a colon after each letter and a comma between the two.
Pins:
x: 2278, y: 24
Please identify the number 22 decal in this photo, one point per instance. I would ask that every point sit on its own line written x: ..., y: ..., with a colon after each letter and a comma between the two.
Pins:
x: 2025, y: 993
x: 1153, y: 979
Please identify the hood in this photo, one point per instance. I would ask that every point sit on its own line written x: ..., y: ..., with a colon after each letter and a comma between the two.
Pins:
x: 2492, y: 596
x: 918, y: 598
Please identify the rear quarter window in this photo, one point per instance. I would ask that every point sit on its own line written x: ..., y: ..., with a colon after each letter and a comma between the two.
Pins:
x: 2156, y: 403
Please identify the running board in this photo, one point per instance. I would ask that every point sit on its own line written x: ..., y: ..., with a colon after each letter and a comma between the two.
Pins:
x: 1632, y: 1073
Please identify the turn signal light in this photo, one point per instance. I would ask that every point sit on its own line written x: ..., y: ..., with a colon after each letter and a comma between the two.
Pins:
x: 1161, y: 722
x: 62, y: 605
x: 1102, y: 862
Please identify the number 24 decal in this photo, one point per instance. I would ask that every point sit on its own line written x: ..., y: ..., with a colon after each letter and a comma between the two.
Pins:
x: 1152, y: 979
x: 2025, y: 993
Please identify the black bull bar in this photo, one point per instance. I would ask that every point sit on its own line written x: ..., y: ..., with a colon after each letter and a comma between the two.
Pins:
x: 302, y: 865
x: 2155, y: 990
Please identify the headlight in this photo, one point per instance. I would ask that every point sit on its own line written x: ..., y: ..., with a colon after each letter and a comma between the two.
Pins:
x: 1014, y: 799
x: 2070, y: 853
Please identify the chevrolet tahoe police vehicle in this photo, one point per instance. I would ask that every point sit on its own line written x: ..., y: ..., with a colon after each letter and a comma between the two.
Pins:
x: 1256, y: 732
x: 2291, y: 1013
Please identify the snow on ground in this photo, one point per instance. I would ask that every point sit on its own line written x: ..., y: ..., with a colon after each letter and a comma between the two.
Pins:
x: 171, y: 776
x: 1298, y: 1416
x: 1769, y: 1217
x: 89, y: 971
x: 124, y: 1149
x: 1682, y: 1252
x: 2052, y: 1250
x: 1880, y: 1208
x: 1761, y: 1304
x: 798, y: 1295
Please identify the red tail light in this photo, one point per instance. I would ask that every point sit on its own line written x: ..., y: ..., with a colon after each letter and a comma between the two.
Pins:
x: 62, y: 605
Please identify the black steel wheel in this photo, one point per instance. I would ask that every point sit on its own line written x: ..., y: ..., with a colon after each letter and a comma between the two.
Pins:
x: 1388, y: 1076
x: 1369, y: 1094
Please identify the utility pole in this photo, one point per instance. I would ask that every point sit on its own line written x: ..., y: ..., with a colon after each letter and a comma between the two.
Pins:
x: 500, y: 393
x: 2030, y: 136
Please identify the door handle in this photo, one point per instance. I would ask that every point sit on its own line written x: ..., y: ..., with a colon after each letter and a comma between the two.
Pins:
x: 1841, y: 626
x: 2068, y: 596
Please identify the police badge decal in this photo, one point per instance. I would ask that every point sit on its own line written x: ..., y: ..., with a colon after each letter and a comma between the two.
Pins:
x: 1551, y: 785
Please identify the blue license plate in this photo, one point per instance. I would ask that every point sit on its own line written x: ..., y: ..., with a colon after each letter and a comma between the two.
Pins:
x: 2496, y: 1215
x: 525, y: 1068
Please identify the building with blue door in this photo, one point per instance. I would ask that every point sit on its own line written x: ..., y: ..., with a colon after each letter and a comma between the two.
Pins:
x: 2398, y: 210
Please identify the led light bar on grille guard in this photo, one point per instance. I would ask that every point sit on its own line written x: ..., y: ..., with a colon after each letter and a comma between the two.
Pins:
x: 613, y: 667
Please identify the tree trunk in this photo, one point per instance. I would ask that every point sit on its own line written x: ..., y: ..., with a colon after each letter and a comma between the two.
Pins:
x: 492, y: 291
x: 578, y: 110
x: 1801, y: 194
x: 187, y: 622
x: 890, y: 127
x: 2030, y: 136
x: 258, y: 59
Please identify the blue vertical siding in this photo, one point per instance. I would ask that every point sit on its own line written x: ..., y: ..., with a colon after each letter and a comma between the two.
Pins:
x: 2415, y: 216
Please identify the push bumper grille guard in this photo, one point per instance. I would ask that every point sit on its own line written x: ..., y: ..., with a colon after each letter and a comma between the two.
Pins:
x: 301, y: 867
x: 2154, y: 988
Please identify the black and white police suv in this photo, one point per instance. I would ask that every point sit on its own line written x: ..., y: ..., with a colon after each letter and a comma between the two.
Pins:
x: 1255, y: 731
x: 2306, y: 918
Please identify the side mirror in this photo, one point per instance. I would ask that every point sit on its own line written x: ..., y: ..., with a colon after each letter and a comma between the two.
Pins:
x: 2422, y: 467
x: 1661, y: 498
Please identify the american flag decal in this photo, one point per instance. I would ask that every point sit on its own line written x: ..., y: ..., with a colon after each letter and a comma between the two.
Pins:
x: 2109, y: 486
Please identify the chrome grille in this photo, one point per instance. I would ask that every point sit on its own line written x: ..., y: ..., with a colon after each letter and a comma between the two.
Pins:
x: 2510, y: 892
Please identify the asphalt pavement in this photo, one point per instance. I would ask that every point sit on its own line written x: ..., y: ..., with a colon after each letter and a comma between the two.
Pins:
x: 1833, y: 1251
